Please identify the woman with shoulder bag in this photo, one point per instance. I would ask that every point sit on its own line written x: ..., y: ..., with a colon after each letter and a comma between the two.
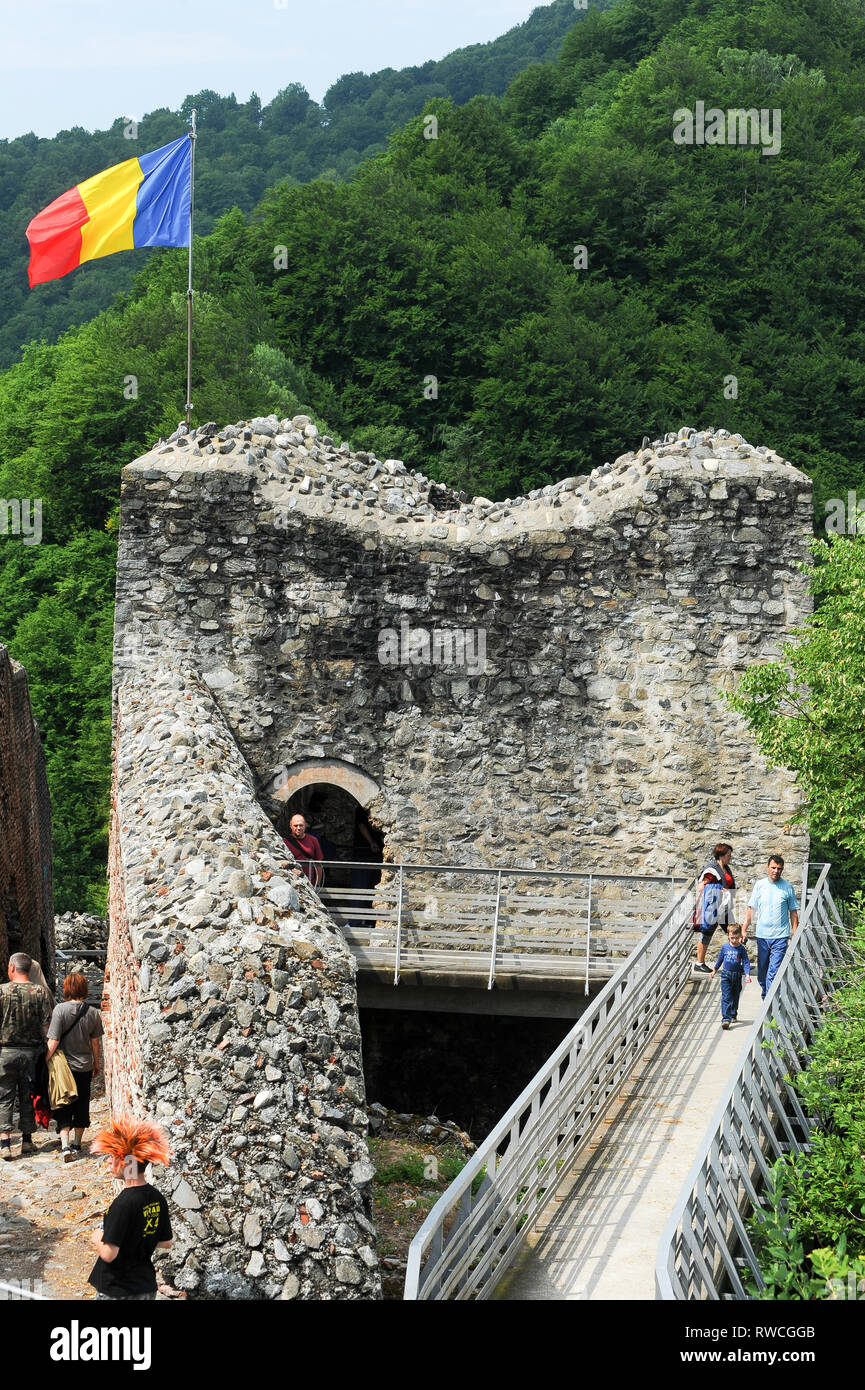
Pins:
x: 75, y: 1029
x: 715, y: 903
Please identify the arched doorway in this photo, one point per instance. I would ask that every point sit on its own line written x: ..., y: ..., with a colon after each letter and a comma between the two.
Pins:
x: 294, y: 777
x: 333, y: 797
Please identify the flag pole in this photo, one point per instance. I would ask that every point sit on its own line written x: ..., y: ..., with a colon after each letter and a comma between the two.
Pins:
x: 189, y: 285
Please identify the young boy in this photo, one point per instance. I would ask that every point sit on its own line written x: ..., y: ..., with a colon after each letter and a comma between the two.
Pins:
x: 732, y: 960
x: 137, y: 1221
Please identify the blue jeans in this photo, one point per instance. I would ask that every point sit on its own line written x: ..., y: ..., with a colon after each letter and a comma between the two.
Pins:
x: 731, y: 988
x: 769, y: 957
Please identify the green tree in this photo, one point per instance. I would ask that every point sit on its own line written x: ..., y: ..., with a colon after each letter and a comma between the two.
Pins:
x: 57, y: 607
x: 807, y: 710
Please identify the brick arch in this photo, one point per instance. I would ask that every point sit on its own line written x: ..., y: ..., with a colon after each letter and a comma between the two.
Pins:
x: 314, y: 771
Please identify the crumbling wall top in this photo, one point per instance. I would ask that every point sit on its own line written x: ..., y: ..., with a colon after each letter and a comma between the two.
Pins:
x: 297, y: 469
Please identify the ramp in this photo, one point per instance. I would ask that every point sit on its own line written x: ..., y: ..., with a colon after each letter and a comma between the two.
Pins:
x: 598, y: 1238
x: 478, y: 1227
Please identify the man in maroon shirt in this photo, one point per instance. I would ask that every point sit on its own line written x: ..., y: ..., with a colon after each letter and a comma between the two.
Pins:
x: 306, y: 849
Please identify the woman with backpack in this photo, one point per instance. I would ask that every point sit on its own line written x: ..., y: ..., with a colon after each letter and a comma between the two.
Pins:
x: 715, y: 906
x: 75, y: 1028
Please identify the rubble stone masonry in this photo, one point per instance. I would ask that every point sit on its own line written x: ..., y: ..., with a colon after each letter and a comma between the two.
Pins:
x: 233, y: 1015
x: 535, y: 682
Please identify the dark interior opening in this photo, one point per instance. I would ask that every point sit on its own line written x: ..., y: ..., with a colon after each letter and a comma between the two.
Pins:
x: 345, y: 832
x: 464, y: 1067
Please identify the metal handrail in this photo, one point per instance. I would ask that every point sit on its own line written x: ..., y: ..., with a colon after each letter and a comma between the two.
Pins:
x: 588, y: 932
x: 705, y: 1246
x: 492, y: 975
x: 469, y: 1240
x: 398, y: 928
x: 543, y: 926
x: 386, y: 865
x: 18, y: 1292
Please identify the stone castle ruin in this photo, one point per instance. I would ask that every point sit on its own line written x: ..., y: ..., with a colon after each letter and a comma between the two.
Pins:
x: 306, y: 586
x: 26, y: 891
x: 532, y: 683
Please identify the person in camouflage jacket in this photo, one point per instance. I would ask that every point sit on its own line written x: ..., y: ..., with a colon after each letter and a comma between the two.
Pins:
x: 25, y: 1013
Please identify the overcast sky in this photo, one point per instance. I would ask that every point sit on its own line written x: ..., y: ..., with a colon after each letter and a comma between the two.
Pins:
x: 83, y: 62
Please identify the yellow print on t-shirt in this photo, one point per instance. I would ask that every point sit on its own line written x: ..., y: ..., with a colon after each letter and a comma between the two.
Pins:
x: 151, y: 1218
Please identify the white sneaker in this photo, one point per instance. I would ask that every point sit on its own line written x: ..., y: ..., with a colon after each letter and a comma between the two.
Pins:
x: 67, y: 1155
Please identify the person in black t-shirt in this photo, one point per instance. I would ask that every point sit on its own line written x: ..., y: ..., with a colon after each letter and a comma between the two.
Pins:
x: 137, y: 1222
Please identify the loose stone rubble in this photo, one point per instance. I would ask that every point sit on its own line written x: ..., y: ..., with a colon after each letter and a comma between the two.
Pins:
x: 80, y: 931
x: 427, y: 1129
x: 233, y: 1015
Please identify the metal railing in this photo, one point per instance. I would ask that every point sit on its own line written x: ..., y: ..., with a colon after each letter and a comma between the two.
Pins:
x: 478, y: 1226
x: 493, y: 920
x: 15, y: 1292
x: 93, y: 961
x: 705, y: 1248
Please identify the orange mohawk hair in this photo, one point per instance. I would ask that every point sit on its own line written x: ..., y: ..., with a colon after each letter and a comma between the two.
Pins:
x: 129, y: 1138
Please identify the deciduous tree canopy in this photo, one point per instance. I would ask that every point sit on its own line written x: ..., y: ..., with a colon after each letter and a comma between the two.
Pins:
x: 519, y: 286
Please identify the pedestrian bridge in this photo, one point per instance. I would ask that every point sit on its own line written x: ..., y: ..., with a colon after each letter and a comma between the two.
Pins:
x: 627, y: 1165
x: 537, y: 934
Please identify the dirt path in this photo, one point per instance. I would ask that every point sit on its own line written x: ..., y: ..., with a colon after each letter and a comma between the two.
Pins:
x: 47, y: 1211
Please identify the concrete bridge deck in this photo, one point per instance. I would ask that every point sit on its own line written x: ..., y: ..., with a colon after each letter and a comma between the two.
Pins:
x: 598, y: 1238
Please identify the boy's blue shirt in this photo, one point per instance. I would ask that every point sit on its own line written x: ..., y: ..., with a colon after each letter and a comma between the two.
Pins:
x: 733, y: 959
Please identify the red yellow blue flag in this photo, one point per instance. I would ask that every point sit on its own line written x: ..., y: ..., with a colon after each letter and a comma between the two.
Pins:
x: 142, y: 202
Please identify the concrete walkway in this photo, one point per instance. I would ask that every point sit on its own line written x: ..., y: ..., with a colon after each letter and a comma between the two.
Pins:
x: 599, y: 1238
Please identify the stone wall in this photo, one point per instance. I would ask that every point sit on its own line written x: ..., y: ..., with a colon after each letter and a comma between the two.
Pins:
x: 613, y: 610
x: 26, y: 887
x: 233, y: 1014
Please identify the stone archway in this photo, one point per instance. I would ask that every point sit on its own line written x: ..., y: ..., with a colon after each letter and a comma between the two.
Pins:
x: 293, y: 777
x: 333, y: 796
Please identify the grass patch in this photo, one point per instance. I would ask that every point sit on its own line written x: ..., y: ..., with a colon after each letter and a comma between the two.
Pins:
x: 410, y: 1178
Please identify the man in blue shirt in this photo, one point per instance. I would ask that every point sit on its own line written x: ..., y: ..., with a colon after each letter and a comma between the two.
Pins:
x: 774, y: 900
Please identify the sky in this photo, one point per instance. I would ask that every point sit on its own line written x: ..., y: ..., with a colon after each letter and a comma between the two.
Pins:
x: 67, y: 63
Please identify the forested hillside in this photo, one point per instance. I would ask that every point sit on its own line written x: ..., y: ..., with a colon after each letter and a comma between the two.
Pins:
x: 244, y: 149
x: 719, y: 286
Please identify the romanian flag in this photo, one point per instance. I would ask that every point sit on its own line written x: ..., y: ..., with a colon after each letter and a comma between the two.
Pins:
x: 141, y: 202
